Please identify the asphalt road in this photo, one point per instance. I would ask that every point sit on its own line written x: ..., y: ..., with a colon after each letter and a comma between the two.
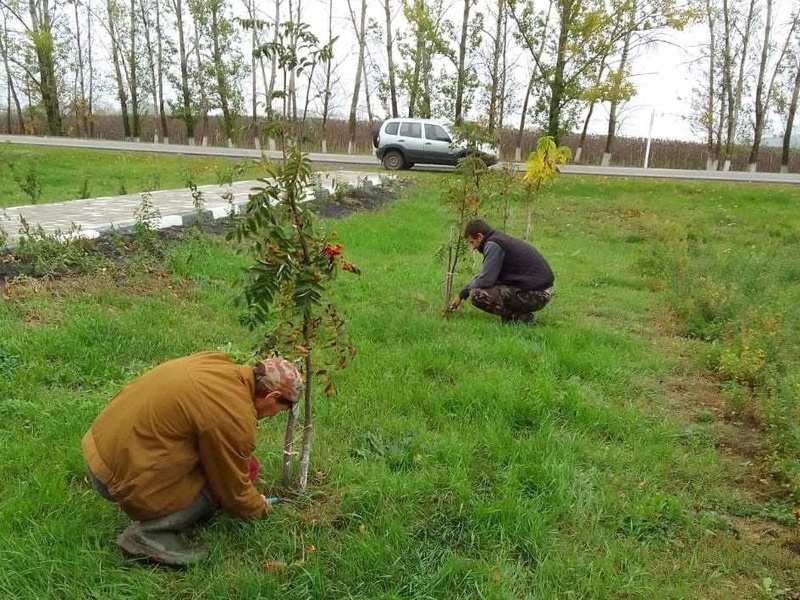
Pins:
x: 361, y: 161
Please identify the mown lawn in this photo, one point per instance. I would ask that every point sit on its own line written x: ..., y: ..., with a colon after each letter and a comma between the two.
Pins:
x: 619, y: 449
x: 42, y: 174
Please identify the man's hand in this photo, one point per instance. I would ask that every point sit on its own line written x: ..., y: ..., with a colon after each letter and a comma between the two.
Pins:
x: 455, y: 303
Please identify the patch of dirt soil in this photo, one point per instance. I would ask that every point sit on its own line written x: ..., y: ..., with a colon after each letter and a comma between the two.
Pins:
x: 694, y: 398
x: 362, y: 199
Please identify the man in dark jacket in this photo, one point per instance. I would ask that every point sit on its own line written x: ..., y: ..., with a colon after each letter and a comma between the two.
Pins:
x: 515, y: 280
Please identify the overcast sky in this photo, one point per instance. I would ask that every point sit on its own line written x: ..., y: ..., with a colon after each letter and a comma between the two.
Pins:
x: 664, y: 76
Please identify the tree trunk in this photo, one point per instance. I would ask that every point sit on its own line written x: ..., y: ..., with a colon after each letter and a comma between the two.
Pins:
x: 219, y: 71
x: 558, y: 86
x: 414, y: 85
x: 79, y: 98
x: 122, y: 95
x: 251, y: 11
x: 494, y: 73
x: 390, y: 59
x: 204, y: 104
x: 787, y: 135
x: 735, y: 92
x: 187, y: 115
x: 151, y: 60
x: 326, y: 94
x: 44, y: 47
x: 288, y: 447
x: 584, y: 132
x: 521, y: 130
x: 359, y: 25
x: 710, y: 114
x: 133, y: 74
x: 273, y: 70
x: 308, y: 420
x: 501, y: 105
x: 367, y: 93
x: 460, y: 74
x: 615, y: 100
x: 763, y: 99
x: 90, y: 99
x: 12, y: 91
x: 162, y: 113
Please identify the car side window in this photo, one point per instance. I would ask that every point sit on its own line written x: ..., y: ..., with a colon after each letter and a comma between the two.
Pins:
x: 391, y: 128
x: 436, y: 133
x: 411, y: 130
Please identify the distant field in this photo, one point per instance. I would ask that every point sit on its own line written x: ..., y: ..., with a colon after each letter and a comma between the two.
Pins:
x: 640, y: 442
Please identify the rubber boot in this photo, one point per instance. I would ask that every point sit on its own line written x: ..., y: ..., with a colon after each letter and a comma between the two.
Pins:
x: 164, y: 547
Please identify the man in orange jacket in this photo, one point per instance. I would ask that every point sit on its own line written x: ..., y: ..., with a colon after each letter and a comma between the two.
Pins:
x: 177, y: 443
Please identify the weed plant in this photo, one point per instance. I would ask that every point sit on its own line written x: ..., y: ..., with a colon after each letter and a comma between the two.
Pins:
x: 54, y: 254
x: 462, y: 458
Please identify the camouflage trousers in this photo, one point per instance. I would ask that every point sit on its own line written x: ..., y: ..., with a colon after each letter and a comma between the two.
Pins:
x: 512, y: 304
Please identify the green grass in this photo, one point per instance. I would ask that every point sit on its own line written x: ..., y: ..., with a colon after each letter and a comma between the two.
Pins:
x: 460, y: 458
x: 57, y: 174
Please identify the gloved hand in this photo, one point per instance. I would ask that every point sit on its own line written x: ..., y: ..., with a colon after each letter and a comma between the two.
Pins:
x: 253, y: 469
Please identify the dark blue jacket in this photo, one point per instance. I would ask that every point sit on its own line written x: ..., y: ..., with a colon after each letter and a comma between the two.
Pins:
x: 512, y: 262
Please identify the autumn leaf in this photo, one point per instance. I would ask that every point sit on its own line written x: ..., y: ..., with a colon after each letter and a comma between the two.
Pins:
x: 346, y: 266
x: 332, y: 251
x: 274, y: 565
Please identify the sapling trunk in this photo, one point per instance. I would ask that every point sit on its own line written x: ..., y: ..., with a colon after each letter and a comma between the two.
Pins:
x: 288, y: 446
x: 308, y: 420
x: 528, y: 220
x: 448, y: 279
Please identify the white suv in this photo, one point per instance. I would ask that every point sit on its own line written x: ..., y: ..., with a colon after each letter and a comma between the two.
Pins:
x: 401, y: 143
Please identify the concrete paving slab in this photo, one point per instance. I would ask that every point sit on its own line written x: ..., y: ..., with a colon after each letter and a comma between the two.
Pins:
x: 92, y: 217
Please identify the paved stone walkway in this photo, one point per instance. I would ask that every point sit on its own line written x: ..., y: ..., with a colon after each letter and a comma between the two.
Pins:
x: 94, y: 216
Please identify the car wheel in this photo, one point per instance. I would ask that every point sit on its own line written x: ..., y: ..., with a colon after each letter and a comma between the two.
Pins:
x: 393, y: 160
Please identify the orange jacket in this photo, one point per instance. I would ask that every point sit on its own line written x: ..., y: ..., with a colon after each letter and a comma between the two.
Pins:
x: 183, y: 424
